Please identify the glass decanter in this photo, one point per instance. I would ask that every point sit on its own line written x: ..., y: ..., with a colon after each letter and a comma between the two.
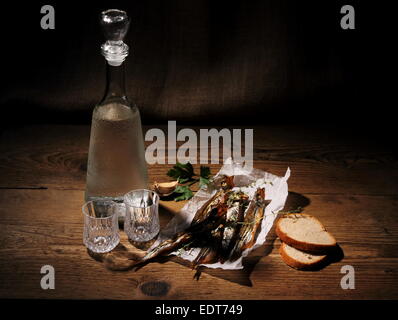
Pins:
x: 116, y: 159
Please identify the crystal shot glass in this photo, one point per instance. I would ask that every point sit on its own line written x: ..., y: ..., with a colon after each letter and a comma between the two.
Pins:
x: 141, y: 222
x: 101, y: 228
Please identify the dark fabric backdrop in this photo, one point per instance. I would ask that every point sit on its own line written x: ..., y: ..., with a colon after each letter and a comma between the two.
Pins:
x: 207, y: 62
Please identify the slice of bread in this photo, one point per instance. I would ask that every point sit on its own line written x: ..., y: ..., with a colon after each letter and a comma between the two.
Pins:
x: 299, y: 259
x: 304, y: 232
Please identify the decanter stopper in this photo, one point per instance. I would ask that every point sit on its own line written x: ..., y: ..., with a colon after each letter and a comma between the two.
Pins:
x: 115, y: 24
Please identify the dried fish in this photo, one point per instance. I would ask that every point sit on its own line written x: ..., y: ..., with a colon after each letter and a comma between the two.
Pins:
x: 251, y: 224
x: 203, y: 213
x: 168, y: 246
x: 210, y: 217
x: 210, y: 252
x: 235, y: 214
x: 223, y: 227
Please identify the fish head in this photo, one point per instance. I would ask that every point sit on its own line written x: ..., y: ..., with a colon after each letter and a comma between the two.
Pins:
x: 227, y: 182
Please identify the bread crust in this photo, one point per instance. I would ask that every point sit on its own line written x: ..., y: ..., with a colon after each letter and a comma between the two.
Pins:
x: 302, y: 245
x: 291, y: 262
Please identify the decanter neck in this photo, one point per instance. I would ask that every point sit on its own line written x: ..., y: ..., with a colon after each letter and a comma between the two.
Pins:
x: 115, y: 86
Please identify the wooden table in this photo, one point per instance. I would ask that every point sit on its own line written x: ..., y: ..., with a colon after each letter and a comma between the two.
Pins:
x: 350, y: 184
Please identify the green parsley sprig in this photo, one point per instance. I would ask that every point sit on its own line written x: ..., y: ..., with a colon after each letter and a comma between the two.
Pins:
x: 184, y: 174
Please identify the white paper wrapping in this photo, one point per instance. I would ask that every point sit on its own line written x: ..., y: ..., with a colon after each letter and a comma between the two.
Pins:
x: 276, y: 190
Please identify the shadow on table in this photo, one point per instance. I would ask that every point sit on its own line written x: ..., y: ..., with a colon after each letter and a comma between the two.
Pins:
x: 122, y: 258
x: 295, y: 202
x: 333, y: 256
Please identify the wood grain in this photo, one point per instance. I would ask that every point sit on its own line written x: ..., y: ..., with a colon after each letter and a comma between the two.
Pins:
x: 54, y: 236
x: 349, y: 186
x: 321, y: 162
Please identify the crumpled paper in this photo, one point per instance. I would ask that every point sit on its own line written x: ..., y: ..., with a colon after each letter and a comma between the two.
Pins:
x: 276, y: 190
